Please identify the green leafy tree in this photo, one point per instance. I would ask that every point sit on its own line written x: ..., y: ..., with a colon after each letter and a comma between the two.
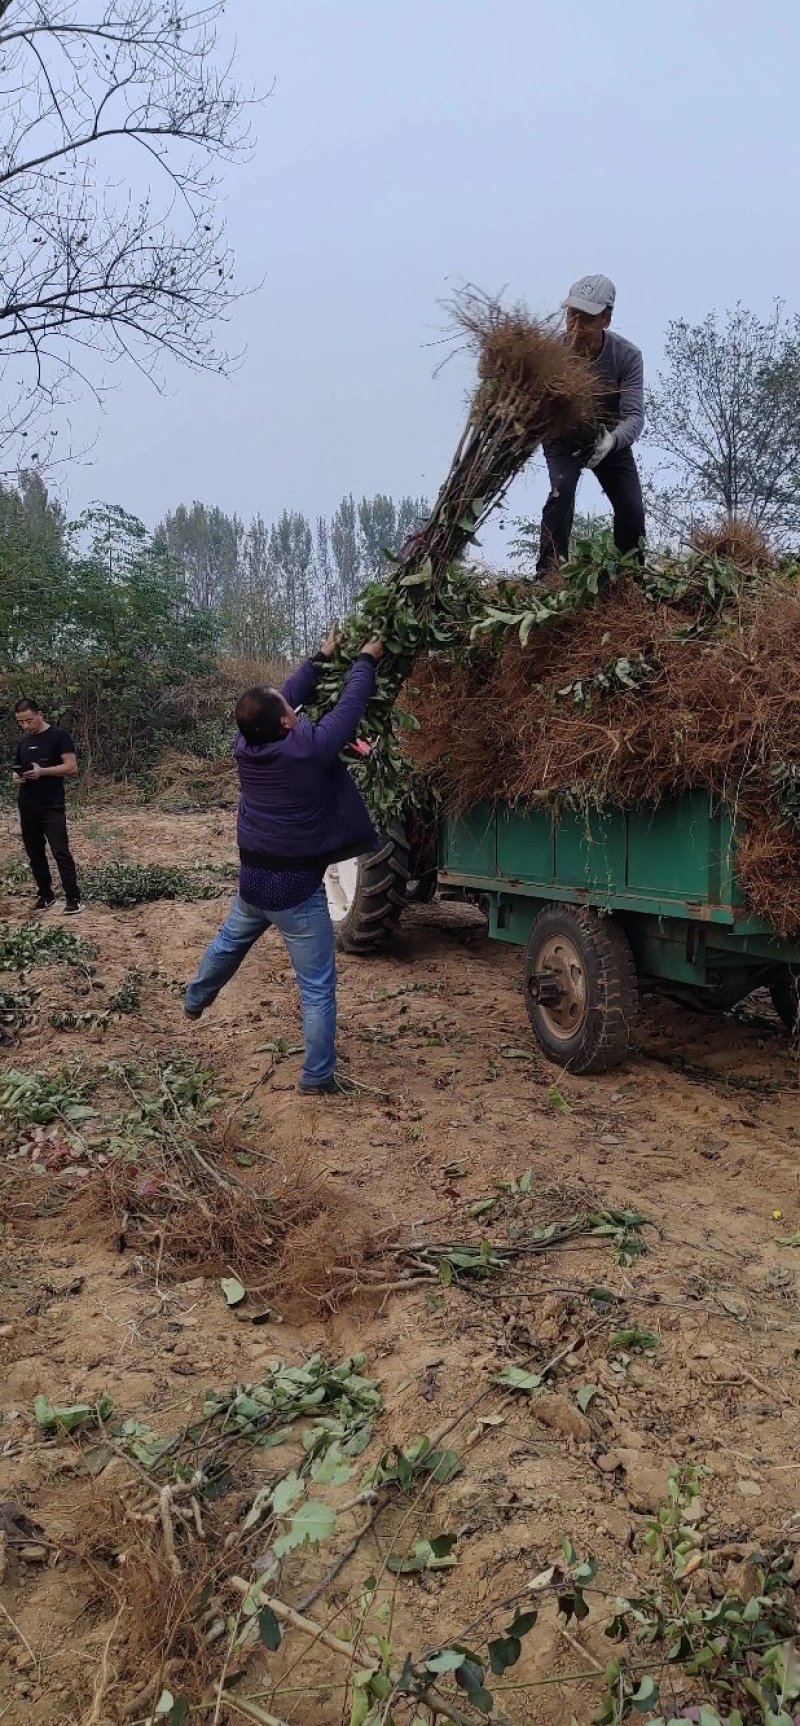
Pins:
x: 412, y: 513
x: 33, y: 579
x: 383, y: 526
x: 205, y: 542
x: 346, y: 551
x: 724, y: 415
x: 253, y: 617
x: 102, y: 632
x: 524, y: 546
x: 324, y: 573
x: 291, y: 549
x: 377, y: 522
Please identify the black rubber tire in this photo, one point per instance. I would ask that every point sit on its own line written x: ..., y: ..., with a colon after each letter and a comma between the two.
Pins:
x: 612, y: 996
x: 379, y: 897
x: 422, y: 890
x: 785, y: 992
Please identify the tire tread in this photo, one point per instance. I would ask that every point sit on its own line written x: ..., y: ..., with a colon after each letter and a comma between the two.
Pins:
x: 379, y: 897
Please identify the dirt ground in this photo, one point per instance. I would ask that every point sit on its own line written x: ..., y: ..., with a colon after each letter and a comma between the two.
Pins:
x: 699, y: 1133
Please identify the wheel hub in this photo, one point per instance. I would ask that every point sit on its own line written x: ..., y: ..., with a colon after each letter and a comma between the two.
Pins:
x: 559, y: 987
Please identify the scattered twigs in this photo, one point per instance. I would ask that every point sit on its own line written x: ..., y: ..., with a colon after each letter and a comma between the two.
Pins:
x: 574, y: 1643
x: 343, y: 1559
x: 317, y: 1632
x: 251, y: 1711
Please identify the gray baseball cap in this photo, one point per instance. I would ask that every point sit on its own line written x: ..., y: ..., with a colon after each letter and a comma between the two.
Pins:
x: 592, y: 294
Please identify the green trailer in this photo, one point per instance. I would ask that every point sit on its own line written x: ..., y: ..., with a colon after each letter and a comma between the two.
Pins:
x: 604, y: 904
x: 607, y: 903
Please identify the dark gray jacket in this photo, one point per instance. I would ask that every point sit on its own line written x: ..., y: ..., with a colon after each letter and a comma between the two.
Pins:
x: 621, y: 371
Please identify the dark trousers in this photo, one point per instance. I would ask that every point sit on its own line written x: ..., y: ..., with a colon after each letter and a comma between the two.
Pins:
x: 619, y: 478
x: 42, y: 827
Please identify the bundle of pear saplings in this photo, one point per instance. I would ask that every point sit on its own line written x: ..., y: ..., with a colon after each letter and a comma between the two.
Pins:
x: 530, y: 387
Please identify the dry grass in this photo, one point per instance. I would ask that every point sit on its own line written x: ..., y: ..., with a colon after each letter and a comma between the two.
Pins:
x: 769, y: 869
x: 192, y: 779
x: 165, y: 1593
x: 738, y: 541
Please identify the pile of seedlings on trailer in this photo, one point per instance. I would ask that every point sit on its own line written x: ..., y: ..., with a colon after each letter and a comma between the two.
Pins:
x: 611, y: 684
x: 619, y: 684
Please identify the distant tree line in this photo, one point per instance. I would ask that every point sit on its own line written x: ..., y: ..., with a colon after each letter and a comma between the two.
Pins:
x: 273, y: 587
x: 120, y: 632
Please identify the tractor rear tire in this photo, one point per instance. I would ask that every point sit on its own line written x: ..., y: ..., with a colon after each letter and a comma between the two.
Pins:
x: 367, y: 894
x: 580, y: 988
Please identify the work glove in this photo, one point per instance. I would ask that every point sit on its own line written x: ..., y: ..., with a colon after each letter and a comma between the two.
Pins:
x: 604, y: 443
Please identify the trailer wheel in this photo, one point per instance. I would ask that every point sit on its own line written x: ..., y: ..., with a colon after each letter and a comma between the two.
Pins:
x: 580, y: 988
x: 366, y: 894
x: 785, y: 992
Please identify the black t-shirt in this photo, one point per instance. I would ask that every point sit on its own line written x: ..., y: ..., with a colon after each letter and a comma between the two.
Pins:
x: 48, y: 748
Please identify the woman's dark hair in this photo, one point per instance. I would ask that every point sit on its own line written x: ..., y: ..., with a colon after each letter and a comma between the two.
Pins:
x: 258, y: 715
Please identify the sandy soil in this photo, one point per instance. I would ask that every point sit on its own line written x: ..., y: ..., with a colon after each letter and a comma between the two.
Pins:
x: 699, y: 1131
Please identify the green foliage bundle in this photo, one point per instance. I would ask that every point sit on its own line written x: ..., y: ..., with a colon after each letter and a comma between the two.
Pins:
x: 412, y: 617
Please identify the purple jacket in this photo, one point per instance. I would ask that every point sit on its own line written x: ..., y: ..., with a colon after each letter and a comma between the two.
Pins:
x: 298, y: 804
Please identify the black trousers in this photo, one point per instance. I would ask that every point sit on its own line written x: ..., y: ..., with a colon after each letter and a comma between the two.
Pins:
x: 619, y: 478
x: 40, y: 828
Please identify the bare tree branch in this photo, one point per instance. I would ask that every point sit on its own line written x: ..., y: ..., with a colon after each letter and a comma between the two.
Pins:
x: 88, y: 90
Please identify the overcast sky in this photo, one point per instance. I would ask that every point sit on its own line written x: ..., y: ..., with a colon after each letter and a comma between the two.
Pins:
x: 410, y: 146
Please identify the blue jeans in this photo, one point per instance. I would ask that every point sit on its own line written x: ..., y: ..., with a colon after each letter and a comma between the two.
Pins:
x: 308, y: 933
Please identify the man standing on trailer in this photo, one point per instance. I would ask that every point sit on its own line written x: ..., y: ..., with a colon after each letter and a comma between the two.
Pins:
x: 608, y: 448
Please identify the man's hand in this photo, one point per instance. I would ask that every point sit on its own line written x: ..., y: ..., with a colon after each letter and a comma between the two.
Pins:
x: 17, y: 777
x: 331, y: 641
x: 374, y: 648
x: 604, y: 444
x: 33, y: 771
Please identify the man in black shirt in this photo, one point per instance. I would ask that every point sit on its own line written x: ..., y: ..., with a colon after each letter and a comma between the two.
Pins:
x: 45, y: 758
